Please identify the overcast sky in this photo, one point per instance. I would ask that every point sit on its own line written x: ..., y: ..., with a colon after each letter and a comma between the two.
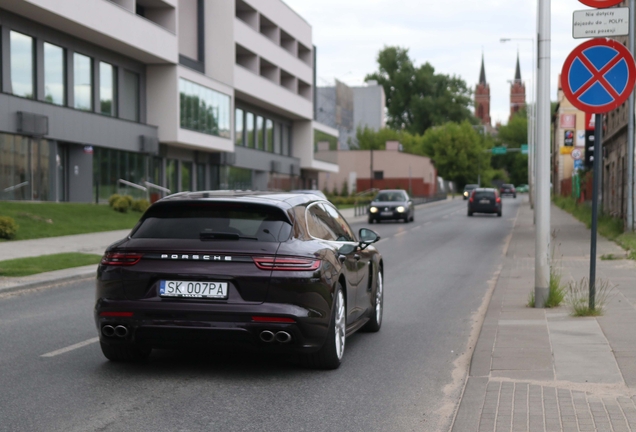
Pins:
x: 450, y: 35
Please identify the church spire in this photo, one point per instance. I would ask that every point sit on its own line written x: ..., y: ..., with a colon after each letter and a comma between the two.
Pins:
x: 482, y: 73
x: 518, y: 70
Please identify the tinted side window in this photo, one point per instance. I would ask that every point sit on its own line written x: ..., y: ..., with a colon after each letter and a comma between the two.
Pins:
x: 318, y: 223
x: 341, y: 226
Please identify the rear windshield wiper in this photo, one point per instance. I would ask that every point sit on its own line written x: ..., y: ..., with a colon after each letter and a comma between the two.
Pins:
x: 220, y: 235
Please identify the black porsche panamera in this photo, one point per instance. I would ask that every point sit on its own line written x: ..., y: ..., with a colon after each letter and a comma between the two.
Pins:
x: 280, y: 272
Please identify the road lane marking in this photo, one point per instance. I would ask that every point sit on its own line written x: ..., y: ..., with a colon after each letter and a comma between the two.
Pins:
x: 71, y: 347
x: 401, y: 233
x: 428, y: 223
x: 417, y: 227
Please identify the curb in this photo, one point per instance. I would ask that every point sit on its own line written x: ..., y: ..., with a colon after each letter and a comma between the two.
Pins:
x: 80, y: 275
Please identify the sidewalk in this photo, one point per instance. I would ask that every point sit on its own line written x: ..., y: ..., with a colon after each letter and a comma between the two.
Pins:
x: 541, y: 369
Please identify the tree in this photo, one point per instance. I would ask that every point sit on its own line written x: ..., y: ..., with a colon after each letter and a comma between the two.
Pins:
x: 459, y: 153
x: 416, y: 97
x: 513, y: 135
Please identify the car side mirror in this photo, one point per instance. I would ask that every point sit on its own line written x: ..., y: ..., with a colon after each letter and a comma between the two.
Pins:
x: 367, y: 237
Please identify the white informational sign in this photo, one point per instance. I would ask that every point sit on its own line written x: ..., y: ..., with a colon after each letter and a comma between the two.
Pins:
x: 580, y: 138
x: 594, y: 23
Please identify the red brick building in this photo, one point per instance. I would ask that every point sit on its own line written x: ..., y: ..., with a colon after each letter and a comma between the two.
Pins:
x: 482, y: 98
x: 517, y: 92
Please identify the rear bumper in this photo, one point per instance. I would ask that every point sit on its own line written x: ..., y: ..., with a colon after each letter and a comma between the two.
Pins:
x: 484, y: 209
x: 173, y: 326
x: 393, y: 216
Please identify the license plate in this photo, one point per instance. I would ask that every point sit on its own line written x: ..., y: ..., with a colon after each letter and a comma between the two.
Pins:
x: 386, y: 213
x: 190, y: 289
x: 484, y: 202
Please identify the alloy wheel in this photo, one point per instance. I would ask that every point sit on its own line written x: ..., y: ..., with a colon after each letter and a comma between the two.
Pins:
x: 379, y: 291
x: 340, y: 328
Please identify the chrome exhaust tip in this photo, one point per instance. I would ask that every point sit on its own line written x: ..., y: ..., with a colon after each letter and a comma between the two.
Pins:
x: 283, y: 337
x: 267, y: 336
x: 121, y: 331
x: 108, y: 331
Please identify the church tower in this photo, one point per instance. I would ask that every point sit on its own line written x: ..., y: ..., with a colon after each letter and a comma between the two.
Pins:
x: 482, y: 97
x: 517, y: 92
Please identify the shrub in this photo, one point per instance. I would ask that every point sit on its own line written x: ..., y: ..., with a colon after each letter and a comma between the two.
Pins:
x: 8, y: 227
x: 140, y: 205
x: 129, y: 199
x: 121, y: 205
x: 113, y: 198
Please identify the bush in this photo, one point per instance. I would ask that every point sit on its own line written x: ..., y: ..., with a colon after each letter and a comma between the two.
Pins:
x: 140, y: 205
x: 8, y: 227
x: 129, y: 199
x: 113, y: 198
x: 121, y: 205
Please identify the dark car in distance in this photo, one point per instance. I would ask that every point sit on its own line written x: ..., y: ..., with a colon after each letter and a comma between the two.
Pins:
x: 274, y: 271
x: 391, y: 204
x: 468, y: 189
x: 484, y: 200
x: 508, y: 189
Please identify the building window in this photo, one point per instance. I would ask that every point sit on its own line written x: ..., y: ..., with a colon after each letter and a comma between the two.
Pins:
x: 83, y: 82
x: 378, y: 175
x: 260, y: 137
x: 249, y: 129
x: 186, y: 176
x: 171, y: 175
x: 286, y: 140
x: 130, y: 96
x: 269, y: 135
x: 278, y: 138
x: 204, y: 110
x: 54, y: 74
x: 110, y: 165
x: 22, y: 70
x: 201, y: 183
x: 238, y: 127
x: 234, y: 178
x: 107, y: 89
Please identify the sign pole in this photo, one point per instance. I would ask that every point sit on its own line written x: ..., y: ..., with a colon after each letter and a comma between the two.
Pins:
x: 598, y: 157
x: 630, y: 130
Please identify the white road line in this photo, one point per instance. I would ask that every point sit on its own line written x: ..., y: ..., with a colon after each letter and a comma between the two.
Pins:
x: 401, y: 233
x: 428, y: 223
x: 71, y: 347
x: 417, y: 227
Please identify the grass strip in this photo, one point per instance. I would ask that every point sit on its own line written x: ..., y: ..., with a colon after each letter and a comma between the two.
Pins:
x: 608, y: 227
x: 44, y: 219
x: 44, y: 263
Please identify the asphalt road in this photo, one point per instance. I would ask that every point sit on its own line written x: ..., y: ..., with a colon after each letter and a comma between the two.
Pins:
x: 436, y: 276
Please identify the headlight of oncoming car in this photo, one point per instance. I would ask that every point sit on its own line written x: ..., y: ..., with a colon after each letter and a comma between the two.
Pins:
x: 400, y: 209
x: 373, y: 209
x: 465, y: 194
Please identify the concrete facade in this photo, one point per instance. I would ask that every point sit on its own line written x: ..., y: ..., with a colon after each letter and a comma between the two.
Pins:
x: 195, y: 64
x: 391, y: 169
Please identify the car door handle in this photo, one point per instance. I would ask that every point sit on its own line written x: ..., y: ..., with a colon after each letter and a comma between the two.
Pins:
x: 357, y: 257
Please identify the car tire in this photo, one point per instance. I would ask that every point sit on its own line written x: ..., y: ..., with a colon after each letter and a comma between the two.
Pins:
x: 370, y: 221
x: 470, y: 213
x: 375, y: 320
x: 125, y: 353
x: 330, y: 355
x: 498, y: 214
x: 412, y: 218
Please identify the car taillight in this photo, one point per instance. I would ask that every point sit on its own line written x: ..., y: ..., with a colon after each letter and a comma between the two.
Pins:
x: 286, y: 263
x: 121, y: 258
x: 498, y: 200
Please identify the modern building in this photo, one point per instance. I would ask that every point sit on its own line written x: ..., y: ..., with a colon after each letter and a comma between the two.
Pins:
x: 165, y: 94
x: 517, y: 92
x: 361, y: 170
x: 482, y: 98
x: 346, y: 109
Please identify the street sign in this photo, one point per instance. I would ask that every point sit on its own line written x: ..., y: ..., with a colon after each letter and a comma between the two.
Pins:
x: 578, y: 165
x: 565, y: 150
x: 524, y: 149
x: 598, y: 75
x: 499, y: 150
x: 576, y: 154
x: 568, y: 138
x: 600, y: 23
x: 600, y: 3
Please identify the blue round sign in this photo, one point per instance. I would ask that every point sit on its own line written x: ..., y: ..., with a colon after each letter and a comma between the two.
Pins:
x: 598, y: 75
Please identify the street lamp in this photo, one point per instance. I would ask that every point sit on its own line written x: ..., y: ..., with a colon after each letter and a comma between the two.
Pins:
x: 531, y: 114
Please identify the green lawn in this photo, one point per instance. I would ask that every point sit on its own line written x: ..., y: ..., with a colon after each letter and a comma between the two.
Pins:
x: 45, y: 263
x: 44, y: 219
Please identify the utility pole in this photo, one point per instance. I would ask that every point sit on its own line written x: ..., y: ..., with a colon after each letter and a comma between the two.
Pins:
x: 542, y: 183
x: 630, y: 130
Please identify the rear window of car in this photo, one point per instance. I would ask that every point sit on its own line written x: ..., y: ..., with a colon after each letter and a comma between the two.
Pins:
x: 484, y: 194
x: 390, y: 196
x: 192, y: 220
x: 470, y: 187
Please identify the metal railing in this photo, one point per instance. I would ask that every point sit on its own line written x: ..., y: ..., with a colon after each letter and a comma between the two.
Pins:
x: 11, y: 190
